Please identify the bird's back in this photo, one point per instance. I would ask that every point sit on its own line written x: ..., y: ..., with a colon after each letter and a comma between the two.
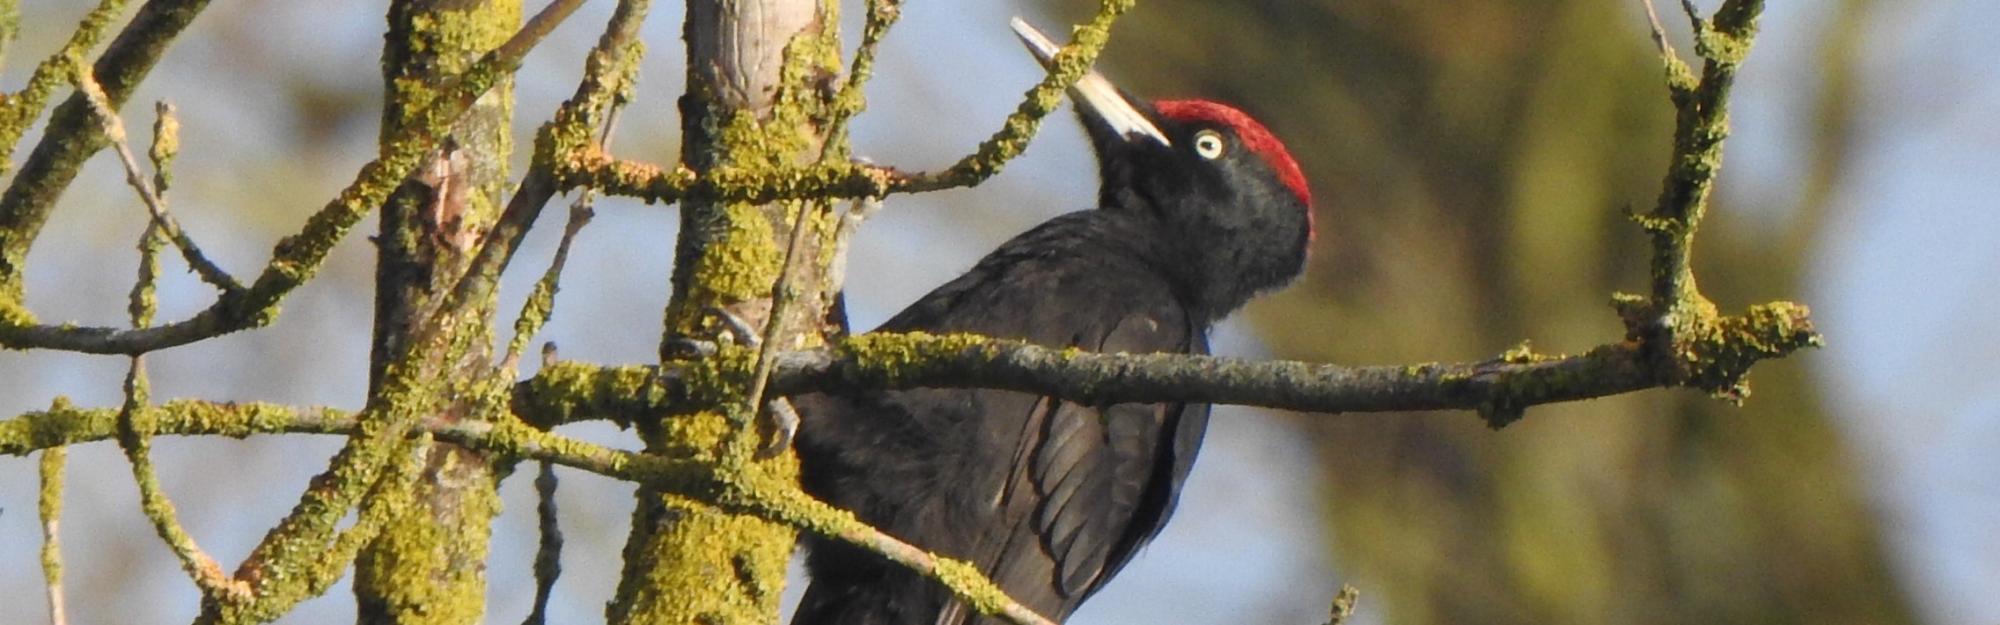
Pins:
x: 1047, y: 497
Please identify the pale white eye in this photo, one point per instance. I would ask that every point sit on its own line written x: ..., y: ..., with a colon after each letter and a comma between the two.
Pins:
x: 1209, y: 144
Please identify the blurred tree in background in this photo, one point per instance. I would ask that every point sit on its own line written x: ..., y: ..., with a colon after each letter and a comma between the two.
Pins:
x: 1474, y: 161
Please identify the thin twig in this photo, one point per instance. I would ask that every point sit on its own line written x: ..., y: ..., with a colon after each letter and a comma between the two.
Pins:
x: 541, y: 302
x: 784, y: 294
x: 548, y: 555
x: 135, y: 437
x: 114, y: 129
x: 50, y: 505
x: 1693, y: 14
x: 1659, y: 31
x: 607, y: 78
x: 849, y: 102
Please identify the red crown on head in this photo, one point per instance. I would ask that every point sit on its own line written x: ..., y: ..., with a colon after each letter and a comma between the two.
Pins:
x: 1254, y: 136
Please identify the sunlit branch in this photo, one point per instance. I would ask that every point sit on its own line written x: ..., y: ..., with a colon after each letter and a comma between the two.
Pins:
x: 297, y: 258
x: 852, y: 180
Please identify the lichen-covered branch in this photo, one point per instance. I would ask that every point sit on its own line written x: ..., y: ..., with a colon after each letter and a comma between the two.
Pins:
x: 1691, y: 344
x: 63, y: 423
x: 840, y: 179
x: 1499, y: 388
x: 71, y: 135
x: 296, y: 258
x: 49, y: 505
x: 134, y: 432
x: 19, y: 109
x: 151, y: 190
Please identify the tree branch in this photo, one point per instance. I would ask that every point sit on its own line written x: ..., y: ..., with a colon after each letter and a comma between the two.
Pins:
x: 152, y: 192
x: 49, y: 504
x: 512, y: 438
x: 1677, y: 317
x: 296, y: 258
x: 827, y: 180
x: 1498, y: 388
x: 71, y: 136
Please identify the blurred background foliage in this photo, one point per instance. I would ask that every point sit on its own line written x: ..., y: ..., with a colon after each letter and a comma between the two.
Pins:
x: 1472, y: 160
x: 1475, y: 159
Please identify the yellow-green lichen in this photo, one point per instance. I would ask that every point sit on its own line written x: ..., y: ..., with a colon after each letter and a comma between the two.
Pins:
x: 49, y: 504
x: 979, y: 593
x: 19, y: 109
x: 1718, y: 356
x: 741, y: 261
x: 892, y: 354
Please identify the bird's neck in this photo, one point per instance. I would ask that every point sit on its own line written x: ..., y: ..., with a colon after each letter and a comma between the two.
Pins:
x: 1219, y: 257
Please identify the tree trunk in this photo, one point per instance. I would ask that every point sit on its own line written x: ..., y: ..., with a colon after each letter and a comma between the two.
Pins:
x: 760, y: 73
x: 428, y: 565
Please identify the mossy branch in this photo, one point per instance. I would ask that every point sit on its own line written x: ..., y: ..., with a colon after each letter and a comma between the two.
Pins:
x: 1687, y: 342
x: 18, y: 110
x: 72, y: 134
x: 1498, y: 388
x: 64, y: 424
x: 838, y: 179
x: 296, y: 258
x: 48, y: 503
x: 152, y: 190
x: 134, y: 432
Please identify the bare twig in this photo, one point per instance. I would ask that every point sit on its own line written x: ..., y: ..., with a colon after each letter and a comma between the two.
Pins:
x: 541, y: 302
x: 548, y: 555
x: 1659, y: 31
x: 785, y: 293
x: 156, y: 204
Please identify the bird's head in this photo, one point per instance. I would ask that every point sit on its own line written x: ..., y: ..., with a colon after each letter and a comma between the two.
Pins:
x: 1230, y: 194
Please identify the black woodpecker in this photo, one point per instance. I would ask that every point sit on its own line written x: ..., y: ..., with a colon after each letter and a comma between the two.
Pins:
x: 1200, y: 209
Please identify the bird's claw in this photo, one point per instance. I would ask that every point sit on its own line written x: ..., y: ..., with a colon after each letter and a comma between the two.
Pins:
x: 784, y: 427
x: 738, y: 330
x: 684, y: 348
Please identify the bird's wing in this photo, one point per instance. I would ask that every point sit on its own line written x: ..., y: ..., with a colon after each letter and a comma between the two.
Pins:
x: 1092, y: 484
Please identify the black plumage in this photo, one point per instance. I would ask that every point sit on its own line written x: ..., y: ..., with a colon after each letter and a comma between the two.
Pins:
x: 1199, y: 210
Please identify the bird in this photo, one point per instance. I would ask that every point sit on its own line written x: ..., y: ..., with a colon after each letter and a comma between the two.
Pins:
x: 1200, y: 208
